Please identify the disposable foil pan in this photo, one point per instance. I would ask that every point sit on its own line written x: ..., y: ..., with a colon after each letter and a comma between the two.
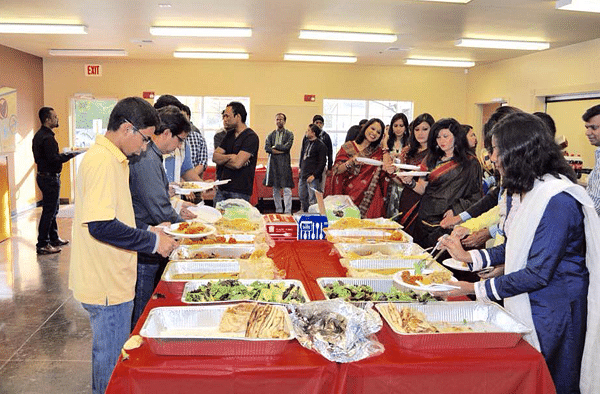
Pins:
x: 366, y: 235
x: 193, y: 285
x: 193, y: 330
x: 388, y: 266
x: 220, y: 251
x: 494, y: 326
x: 382, y: 285
x: 178, y: 272
x: 381, y: 248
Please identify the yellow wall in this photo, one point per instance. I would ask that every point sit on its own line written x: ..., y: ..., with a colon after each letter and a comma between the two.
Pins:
x: 24, y: 73
x: 272, y: 87
x: 524, y: 81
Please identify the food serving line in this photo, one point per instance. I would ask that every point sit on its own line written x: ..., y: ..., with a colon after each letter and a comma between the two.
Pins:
x: 295, y: 369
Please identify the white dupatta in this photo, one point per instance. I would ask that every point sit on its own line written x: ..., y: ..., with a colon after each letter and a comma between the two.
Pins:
x: 519, y: 240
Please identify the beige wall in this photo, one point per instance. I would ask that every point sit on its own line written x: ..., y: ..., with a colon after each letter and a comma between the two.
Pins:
x: 24, y: 73
x: 272, y: 87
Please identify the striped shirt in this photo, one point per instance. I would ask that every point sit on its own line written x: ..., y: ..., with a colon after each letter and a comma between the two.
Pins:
x: 593, y: 186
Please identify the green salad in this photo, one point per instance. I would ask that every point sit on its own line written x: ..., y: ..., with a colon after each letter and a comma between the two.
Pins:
x: 348, y: 292
x: 232, y: 290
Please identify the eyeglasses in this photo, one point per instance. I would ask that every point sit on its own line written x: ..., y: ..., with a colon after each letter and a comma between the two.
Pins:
x: 182, y: 140
x: 145, y: 138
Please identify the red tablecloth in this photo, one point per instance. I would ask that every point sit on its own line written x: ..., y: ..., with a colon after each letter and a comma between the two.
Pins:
x: 297, y: 370
x: 258, y: 189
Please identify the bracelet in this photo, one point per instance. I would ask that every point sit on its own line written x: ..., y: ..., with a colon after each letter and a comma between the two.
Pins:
x: 348, y: 165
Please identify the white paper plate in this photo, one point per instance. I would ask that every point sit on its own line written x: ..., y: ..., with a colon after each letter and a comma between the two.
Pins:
x: 171, y: 230
x: 436, y: 287
x: 200, y: 186
x: 407, y: 166
x: 205, y: 214
x: 455, y: 264
x: 412, y: 173
x: 366, y: 160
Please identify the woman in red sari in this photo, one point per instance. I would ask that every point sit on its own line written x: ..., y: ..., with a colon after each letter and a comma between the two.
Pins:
x: 453, y: 184
x: 365, y: 184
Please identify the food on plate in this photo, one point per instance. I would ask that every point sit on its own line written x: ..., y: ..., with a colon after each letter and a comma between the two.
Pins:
x: 267, y: 321
x: 230, y: 290
x: 191, y: 228
x: 216, y: 239
x: 239, y: 224
x: 427, y: 279
x: 348, y: 292
x: 205, y: 275
x: 236, y: 317
x: 412, y: 321
x: 188, y: 185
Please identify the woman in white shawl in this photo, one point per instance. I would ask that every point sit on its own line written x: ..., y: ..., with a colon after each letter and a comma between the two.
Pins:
x: 551, y: 254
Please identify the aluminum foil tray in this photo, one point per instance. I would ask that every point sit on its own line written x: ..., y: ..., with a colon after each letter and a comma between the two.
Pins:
x: 383, y: 248
x: 192, y: 269
x: 220, y: 251
x: 388, y: 266
x: 383, y: 285
x: 193, y: 331
x: 193, y: 285
x: 365, y: 235
x: 503, y: 329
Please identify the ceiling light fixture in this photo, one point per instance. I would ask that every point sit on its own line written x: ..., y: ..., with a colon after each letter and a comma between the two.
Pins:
x: 346, y: 36
x: 578, y: 5
x: 88, y: 52
x: 440, y: 62
x: 36, y: 28
x: 211, y: 55
x: 449, y: 1
x: 502, y: 44
x: 201, y: 31
x: 319, y: 58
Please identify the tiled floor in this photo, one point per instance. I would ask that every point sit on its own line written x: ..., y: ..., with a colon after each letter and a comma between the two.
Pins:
x: 45, y: 336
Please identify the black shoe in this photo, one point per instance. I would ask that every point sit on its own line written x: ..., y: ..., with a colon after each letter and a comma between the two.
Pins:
x: 59, y: 242
x: 48, y: 249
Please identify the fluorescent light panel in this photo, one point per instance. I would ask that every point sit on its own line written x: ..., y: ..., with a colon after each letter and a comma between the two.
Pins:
x: 88, y: 52
x: 440, y: 63
x: 346, y: 36
x: 319, y: 58
x: 502, y: 44
x: 201, y: 31
x: 34, y: 28
x: 578, y: 5
x: 210, y: 55
x: 449, y: 1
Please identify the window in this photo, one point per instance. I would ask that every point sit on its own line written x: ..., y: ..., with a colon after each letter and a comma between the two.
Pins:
x: 341, y: 114
x: 206, y: 115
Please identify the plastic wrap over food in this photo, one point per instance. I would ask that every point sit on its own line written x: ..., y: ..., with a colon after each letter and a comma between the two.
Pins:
x: 337, y: 330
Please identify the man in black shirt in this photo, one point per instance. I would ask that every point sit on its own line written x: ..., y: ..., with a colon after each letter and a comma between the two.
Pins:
x: 237, y: 154
x: 49, y: 165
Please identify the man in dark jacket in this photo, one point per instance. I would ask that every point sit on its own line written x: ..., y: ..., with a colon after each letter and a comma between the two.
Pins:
x: 49, y: 165
x: 312, y: 163
x: 279, y: 168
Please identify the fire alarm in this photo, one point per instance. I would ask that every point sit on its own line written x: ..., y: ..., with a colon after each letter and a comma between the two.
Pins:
x: 309, y: 98
x: 148, y: 95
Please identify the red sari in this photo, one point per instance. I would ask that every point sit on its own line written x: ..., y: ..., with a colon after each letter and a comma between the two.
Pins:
x: 365, y: 184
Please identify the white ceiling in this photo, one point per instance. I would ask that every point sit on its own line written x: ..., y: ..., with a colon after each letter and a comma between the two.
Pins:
x: 424, y: 29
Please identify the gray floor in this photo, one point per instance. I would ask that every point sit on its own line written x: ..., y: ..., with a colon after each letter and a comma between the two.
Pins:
x: 45, y: 336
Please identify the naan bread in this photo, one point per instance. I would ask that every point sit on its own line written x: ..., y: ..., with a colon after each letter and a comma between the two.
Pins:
x: 267, y: 321
x: 235, y: 318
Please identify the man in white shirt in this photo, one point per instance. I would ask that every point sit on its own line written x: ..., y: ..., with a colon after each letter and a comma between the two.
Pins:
x: 591, y: 117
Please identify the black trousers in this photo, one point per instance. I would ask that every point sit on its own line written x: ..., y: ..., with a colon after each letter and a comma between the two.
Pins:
x: 47, y: 229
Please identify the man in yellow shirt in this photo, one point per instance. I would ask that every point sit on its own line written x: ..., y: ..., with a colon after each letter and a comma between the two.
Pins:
x: 105, y: 238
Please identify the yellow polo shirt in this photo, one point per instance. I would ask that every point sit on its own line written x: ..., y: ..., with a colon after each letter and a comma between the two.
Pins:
x: 102, y: 274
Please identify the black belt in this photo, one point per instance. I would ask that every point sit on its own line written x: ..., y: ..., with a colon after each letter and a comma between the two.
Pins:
x: 49, y: 174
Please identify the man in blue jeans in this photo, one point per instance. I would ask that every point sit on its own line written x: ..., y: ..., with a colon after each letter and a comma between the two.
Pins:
x: 103, y: 266
x: 313, y: 157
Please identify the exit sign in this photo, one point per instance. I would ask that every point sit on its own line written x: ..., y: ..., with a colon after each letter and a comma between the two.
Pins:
x: 93, y: 70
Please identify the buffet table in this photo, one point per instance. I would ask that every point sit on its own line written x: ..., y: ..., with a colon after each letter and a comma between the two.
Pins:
x: 298, y: 370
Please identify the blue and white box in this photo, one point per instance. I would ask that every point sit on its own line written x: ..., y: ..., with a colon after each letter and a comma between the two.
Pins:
x: 310, y: 227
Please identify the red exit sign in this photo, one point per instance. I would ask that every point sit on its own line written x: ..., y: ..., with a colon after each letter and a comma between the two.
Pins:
x: 93, y: 70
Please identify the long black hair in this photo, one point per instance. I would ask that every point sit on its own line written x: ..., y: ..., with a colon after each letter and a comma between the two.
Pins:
x: 361, y: 136
x: 527, y: 152
x: 461, y: 154
x: 413, y: 144
x: 392, y: 136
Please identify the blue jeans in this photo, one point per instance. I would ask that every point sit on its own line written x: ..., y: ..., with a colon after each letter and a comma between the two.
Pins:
x: 221, y: 195
x: 110, y: 330
x: 306, y: 195
x: 144, y: 287
x: 48, y: 230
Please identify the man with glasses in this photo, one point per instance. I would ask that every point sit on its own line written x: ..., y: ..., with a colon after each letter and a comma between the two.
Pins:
x: 591, y: 117
x: 150, y: 195
x: 103, y: 265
